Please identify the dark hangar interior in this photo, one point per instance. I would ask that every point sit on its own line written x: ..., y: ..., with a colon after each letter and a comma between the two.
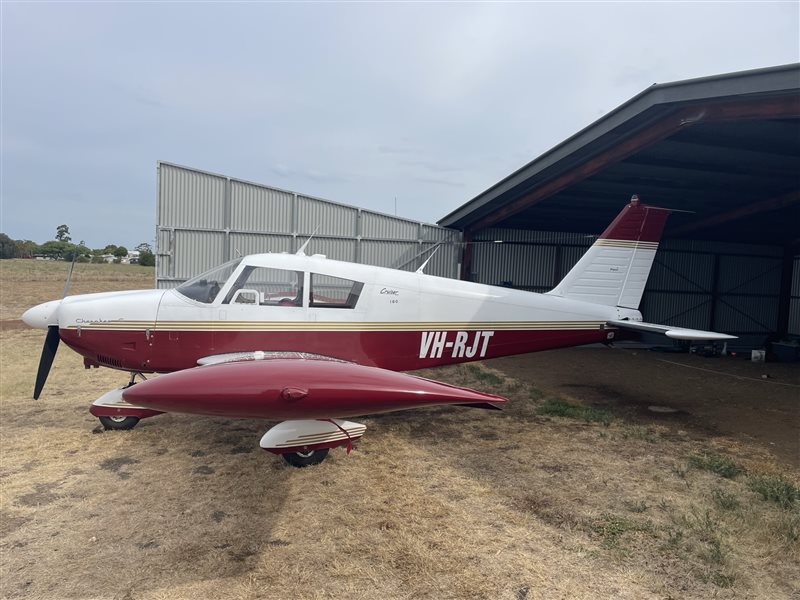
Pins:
x: 725, y: 149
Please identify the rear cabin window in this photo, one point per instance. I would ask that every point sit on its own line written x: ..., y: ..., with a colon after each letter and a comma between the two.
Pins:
x: 264, y: 286
x: 334, y: 292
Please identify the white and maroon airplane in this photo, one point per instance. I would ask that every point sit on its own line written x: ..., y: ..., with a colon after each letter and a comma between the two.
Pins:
x: 312, y: 341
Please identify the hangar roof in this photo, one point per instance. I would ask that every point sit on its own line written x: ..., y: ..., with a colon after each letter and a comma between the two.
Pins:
x: 725, y: 147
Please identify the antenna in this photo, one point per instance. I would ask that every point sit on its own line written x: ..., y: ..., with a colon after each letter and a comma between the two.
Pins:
x: 302, y: 250
x: 238, y: 252
x: 421, y: 269
x: 69, y: 275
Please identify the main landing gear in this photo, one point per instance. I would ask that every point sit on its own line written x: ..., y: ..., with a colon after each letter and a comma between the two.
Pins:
x: 305, y: 459
x: 301, y: 443
x: 119, y: 422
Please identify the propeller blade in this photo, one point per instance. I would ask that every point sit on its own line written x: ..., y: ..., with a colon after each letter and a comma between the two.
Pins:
x: 51, y: 341
x: 46, y: 361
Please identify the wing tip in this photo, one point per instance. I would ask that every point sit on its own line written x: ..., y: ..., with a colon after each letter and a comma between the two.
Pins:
x: 699, y: 335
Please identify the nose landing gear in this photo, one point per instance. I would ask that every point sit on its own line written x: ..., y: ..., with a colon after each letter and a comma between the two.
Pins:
x: 116, y: 414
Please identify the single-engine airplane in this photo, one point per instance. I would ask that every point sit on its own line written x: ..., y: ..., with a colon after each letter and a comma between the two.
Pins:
x: 313, y: 341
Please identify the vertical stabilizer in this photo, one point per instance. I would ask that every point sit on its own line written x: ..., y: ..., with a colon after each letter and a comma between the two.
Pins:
x: 614, y: 270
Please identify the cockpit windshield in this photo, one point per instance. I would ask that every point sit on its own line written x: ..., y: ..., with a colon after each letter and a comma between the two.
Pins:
x: 206, y: 287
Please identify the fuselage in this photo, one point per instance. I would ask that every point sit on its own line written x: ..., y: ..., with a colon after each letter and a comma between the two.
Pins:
x: 369, y: 315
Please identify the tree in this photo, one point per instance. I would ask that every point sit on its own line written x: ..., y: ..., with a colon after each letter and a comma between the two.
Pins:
x: 79, y: 252
x: 110, y: 249
x: 121, y: 252
x: 26, y: 248
x: 7, y: 247
x: 147, y: 258
x: 55, y: 249
x: 62, y: 233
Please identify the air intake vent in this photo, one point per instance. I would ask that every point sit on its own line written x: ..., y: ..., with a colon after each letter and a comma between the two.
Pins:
x: 109, y: 362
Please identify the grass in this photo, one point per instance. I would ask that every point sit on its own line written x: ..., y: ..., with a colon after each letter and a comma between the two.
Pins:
x: 777, y: 489
x: 638, y: 432
x: 718, y: 464
x: 440, y: 503
x: 555, y: 407
x: 484, y: 375
x: 725, y: 500
x: 27, y: 282
x: 636, y: 507
x: 611, y: 528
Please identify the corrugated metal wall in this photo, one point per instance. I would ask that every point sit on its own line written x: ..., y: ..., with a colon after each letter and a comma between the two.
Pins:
x: 205, y: 219
x: 706, y: 285
x: 794, y: 301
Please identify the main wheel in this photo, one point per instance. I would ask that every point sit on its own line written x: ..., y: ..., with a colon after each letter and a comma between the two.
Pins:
x: 119, y: 422
x: 305, y: 459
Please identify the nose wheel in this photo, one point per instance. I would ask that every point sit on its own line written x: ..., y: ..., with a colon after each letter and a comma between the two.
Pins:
x: 116, y: 414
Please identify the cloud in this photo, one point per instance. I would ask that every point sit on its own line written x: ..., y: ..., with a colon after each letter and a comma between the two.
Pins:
x: 432, y: 166
x: 386, y: 149
x: 307, y: 174
x: 438, y: 181
x: 336, y: 100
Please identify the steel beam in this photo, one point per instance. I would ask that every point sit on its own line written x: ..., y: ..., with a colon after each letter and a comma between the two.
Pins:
x: 785, y: 294
x: 760, y: 108
x: 784, y: 201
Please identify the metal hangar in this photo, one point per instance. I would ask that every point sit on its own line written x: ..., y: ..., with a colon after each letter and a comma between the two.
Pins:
x: 725, y: 149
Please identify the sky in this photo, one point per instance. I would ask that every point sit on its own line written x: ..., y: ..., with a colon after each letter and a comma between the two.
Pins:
x: 362, y: 103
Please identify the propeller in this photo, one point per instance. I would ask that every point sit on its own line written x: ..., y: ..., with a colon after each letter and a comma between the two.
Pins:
x: 46, y: 360
x: 51, y: 341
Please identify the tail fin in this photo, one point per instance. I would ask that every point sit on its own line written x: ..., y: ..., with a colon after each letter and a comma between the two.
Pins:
x: 614, y: 270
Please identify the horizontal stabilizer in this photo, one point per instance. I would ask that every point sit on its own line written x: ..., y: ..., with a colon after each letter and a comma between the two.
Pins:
x: 676, y: 333
x: 481, y: 405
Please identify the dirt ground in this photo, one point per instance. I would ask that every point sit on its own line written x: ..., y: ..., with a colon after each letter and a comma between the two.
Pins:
x: 711, y: 395
x: 438, y: 503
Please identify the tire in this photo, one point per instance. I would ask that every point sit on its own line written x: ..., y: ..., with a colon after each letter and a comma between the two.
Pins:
x: 305, y: 459
x: 119, y: 422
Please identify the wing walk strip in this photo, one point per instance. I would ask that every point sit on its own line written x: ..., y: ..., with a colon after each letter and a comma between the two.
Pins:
x: 334, y: 326
x: 627, y: 244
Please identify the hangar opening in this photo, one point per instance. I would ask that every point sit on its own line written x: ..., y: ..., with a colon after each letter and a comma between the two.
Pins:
x: 723, y: 152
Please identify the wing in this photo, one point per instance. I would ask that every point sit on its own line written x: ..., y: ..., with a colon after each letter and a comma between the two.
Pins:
x: 290, y: 385
x: 676, y: 333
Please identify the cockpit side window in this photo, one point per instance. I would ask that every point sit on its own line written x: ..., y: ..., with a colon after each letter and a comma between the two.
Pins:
x: 334, y: 292
x: 264, y: 286
x: 205, y: 288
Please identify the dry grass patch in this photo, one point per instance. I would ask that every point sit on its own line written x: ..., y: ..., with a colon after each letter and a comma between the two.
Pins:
x: 26, y: 283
